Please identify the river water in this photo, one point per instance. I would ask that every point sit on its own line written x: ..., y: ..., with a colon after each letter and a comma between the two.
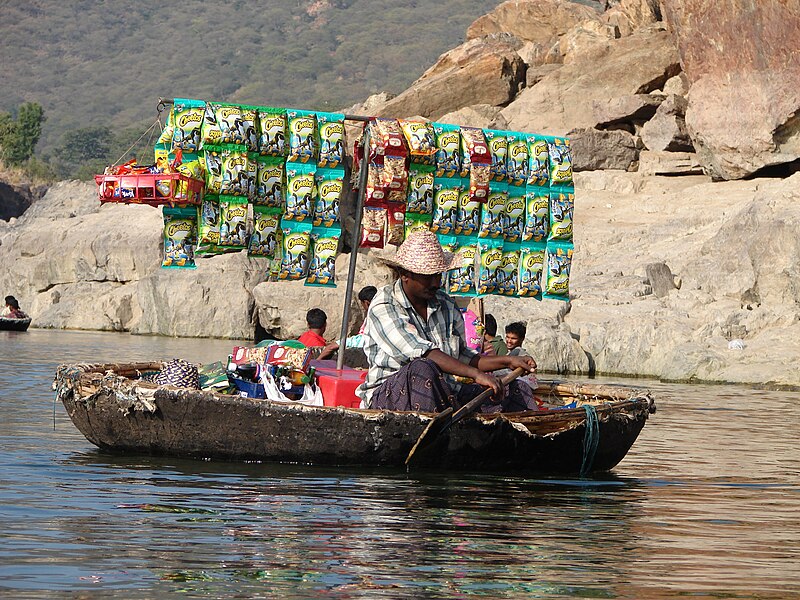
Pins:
x: 706, y: 504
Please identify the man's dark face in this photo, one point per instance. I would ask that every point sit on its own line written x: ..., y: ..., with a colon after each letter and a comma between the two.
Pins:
x: 422, y: 287
x: 513, y: 341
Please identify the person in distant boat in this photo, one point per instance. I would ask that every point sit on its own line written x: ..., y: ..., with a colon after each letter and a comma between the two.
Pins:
x: 317, y: 322
x: 492, y: 345
x: 12, y: 310
x: 515, y: 335
x: 416, y: 343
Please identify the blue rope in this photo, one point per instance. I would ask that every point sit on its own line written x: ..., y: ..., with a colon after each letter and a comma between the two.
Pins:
x: 591, y: 437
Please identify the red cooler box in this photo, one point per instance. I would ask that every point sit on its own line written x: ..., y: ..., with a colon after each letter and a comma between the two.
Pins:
x: 339, y: 387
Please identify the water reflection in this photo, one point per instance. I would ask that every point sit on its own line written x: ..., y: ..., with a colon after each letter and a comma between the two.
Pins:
x: 705, y: 504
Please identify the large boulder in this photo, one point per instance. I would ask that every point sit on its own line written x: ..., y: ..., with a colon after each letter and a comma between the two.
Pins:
x: 485, y: 70
x: 742, y: 60
x: 564, y: 99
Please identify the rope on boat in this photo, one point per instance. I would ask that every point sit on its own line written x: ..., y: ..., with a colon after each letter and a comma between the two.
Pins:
x: 591, y: 437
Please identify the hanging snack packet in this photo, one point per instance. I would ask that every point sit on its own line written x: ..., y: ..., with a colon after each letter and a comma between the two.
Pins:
x: 498, y: 149
x: 492, y: 214
x: 448, y: 146
x: 395, y: 178
x: 531, y: 262
x: 473, y: 150
x: 296, y: 248
x: 233, y: 222
x: 386, y: 138
x: 213, y: 156
x: 537, y: 214
x: 417, y: 222
x: 445, y: 205
x: 247, y: 128
x: 395, y: 230
x: 462, y: 280
x: 264, y: 241
x: 238, y: 173
x: 560, y: 162
x: 180, y: 237
x: 272, y: 131
x: 301, y: 192
x: 479, y: 181
x: 420, y: 189
x: 421, y: 141
x: 468, y: 218
x: 508, y: 272
x: 517, y: 159
x: 557, y: 264
x: 188, y: 121
x: 562, y: 203
x: 228, y: 118
x: 376, y: 190
x: 169, y: 129
x: 210, y: 133
x: 190, y: 166
x: 302, y: 126
x: 538, y: 161
x: 515, y: 214
x: 373, y: 227
x: 331, y: 139
x: 269, y: 181
x: 208, y: 225
x: 491, y: 252
x: 329, y: 184
x: 324, y: 244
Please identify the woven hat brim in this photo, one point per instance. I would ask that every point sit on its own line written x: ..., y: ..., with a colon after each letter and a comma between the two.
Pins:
x: 449, y: 261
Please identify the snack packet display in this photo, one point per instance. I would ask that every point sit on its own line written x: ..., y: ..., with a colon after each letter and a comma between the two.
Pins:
x: 537, y: 214
x: 395, y: 178
x: 291, y: 354
x: 421, y: 141
x: 445, y: 201
x: 560, y: 162
x: 491, y: 259
x: 296, y: 249
x: 331, y: 139
x: 498, y: 150
x: 420, y: 189
x: 238, y: 173
x: 212, y: 157
x: 531, y: 262
x: 301, y: 191
x: 395, y: 229
x: 303, y: 137
x: 188, y: 120
x: 233, y: 222
x: 555, y: 274
x: 493, y: 212
x: 180, y: 237
x: 324, y: 244
x: 417, y: 222
x: 208, y: 225
x: 387, y: 138
x: 269, y: 182
x: 448, y: 146
x: 462, y: 280
x: 264, y: 240
x: 514, y: 214
x: 508, y: 271
x: 468, y: 218
x: 538, y: 161
x: 562, y: 203
x: 272, y: 131
x: 329, y: 184
x: 210, y: 132
x: 373, y: 227
x: 517, y: 159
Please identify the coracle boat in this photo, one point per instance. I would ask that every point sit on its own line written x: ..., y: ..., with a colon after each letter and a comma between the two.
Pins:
x: 9, y: 324
x: 118, y: 411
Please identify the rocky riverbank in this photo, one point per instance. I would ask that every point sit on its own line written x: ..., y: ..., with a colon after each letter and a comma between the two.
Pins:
x: 671, y: 265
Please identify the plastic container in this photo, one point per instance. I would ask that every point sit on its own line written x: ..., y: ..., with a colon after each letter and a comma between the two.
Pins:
x: 339, y: 387
x: 248, y: 389
x: 155, y: 189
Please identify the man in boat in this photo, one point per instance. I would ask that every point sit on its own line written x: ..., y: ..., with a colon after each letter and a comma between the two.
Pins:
x: 12, y: 309
x: 416, y: 344
x: 515, y: 335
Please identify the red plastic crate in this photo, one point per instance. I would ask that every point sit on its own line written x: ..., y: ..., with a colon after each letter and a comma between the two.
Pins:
x: 339, y: 387
x: 155, y: 189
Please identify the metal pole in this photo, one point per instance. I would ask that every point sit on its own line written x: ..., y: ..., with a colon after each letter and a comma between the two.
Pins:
x: 351, y: 274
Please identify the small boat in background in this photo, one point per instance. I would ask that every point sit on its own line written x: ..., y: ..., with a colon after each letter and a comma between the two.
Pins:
x: 9, y: 324
x: 589, y: 428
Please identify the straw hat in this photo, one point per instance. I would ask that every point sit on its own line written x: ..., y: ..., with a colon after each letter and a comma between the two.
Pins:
x: 422, y: 253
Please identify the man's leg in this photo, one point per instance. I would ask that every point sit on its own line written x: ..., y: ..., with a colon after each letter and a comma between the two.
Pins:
x: 420, y: 386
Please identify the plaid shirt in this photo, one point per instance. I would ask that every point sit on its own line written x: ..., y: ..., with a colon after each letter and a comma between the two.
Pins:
x: 396, y: 334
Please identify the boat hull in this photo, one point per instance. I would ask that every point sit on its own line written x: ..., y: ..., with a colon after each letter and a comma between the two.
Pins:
x: 14, y: 324
x: 119, y: 414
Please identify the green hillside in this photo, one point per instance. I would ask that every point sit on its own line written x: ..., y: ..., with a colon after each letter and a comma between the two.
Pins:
x: 104, y: 64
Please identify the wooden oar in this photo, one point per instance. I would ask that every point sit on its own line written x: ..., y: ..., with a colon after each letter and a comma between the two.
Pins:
x: 443, y: 420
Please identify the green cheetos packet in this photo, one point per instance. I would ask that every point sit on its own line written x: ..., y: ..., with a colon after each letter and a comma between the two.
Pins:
x: 555, y: 273
x: 324, y: 247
